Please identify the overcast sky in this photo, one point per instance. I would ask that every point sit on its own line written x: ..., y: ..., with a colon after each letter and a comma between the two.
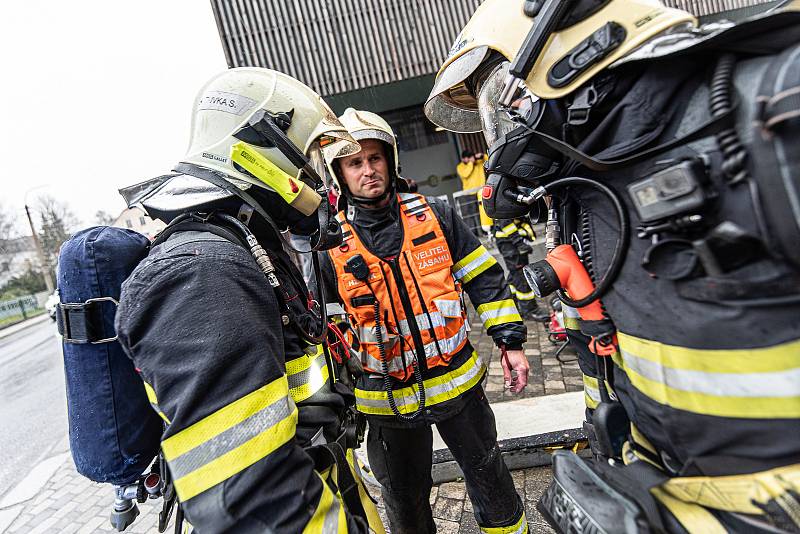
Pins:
x: 98, y: 95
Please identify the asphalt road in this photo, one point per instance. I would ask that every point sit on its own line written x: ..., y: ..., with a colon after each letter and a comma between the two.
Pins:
x: 33, y: 406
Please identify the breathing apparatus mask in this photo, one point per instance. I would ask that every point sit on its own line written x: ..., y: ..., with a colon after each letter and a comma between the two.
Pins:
x: 517, y: 161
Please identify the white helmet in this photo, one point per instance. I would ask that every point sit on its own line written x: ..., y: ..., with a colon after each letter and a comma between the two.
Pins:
x: 368, y: 125
x: 226, y: 136
x: 253, y: 128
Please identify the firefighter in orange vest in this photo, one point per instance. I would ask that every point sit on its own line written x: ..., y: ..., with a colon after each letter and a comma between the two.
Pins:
x: 399, y: 274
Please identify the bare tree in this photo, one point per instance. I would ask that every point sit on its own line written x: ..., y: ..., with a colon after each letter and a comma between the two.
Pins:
x: 103, y: 218
x: 8, y: 223
x: 57, y: 222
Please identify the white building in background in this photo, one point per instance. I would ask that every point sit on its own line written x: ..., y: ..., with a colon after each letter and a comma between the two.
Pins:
x: 136, y: 219
x: 17, y: 257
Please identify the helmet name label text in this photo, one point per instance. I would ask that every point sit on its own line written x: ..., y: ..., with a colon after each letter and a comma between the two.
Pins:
x: 224, y: 101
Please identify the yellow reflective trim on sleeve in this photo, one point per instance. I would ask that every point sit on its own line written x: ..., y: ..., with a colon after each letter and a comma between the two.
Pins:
x: 329, y: 517
x: 507, y: 231
x: 498, y: 312
x: 224, y: 418
x: 151, y: 396
x: 695, y: 519
x: 520, y: 527
x: 591, y: 392
x: 473, y: 264
x: 307, y: 374
x: 737, y: 493
x: 760, y: 383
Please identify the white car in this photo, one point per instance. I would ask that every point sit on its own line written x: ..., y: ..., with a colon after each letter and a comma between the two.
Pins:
x: 51, y: 303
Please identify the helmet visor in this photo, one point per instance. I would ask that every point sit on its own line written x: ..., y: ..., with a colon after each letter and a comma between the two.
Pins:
x: 450, y: 104
x: 497, y: 120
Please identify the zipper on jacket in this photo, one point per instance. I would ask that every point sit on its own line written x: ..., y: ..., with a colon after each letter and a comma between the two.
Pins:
x: 408, y: 309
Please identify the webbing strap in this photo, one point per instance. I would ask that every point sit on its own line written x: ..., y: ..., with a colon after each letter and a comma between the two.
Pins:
x: 714, y: 125
x: 325, y: 456
x: 635, y: 480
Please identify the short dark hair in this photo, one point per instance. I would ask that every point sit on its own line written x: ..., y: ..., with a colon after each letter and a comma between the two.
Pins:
x: 467, y: 153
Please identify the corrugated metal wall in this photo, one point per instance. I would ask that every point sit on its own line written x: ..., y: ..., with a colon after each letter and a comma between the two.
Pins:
x: 341, y: 45
x: 707, y: 7
x: 336, y: 46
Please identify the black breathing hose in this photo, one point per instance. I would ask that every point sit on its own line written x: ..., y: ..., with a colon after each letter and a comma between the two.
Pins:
x: 620, y: 251
x: 387, y: 383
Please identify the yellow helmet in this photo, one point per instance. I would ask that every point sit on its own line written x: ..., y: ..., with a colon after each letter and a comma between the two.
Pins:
x: 573, y: 54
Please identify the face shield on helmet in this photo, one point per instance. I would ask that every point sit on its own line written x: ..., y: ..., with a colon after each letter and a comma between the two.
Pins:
x: 262, y: 136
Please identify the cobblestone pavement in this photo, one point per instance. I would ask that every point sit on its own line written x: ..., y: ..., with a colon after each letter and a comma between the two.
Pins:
x: 70, y: 504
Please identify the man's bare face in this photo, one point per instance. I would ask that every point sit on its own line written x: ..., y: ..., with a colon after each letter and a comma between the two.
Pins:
x: 366, y: 173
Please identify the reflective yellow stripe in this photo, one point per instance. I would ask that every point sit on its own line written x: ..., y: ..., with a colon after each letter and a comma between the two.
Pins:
x: 520, y: 527
x: 507, y: 231
x: 151, y: 396
x: 473, y: 264
x: 329, y: 517
x: 307, y: 374
x: 571, y: 318
x: 530, y: 295
x: 695, y: 519
x: 641, y: 440
x: 762, y: 383
x: 437, y: 390
x: 736, y: 493
x: 498, y: 312
x: 591, y: 392
x: 231, y: 439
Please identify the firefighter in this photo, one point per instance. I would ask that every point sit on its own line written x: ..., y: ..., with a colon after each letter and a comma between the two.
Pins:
x: 514, y: 238
x: 399, y: 274
x: 219, y: 323
x: 664, y: 156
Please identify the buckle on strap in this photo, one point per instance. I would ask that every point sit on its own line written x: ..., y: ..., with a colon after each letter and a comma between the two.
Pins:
x: 81, y: 322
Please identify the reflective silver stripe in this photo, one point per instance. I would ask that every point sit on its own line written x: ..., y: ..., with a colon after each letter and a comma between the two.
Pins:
x: 422, y: 322
x: 406, y: 196
x: 231, y: 438
x: 474, y: 264
x: 591, y: 388
x: 367, y: 334
x: 331, y: 522
x: 571, y: 312
x: 489, y: 314
x: 525, y: 296
x: 408, y: 396
x: 447, y: 346
x: 775, y: 384
x: 448, y: 308
x: 394, y: 364
x: 314, y: 376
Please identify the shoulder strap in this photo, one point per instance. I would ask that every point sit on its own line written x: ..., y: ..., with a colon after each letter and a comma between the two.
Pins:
x: 196, y: 225
x: 712, y: 126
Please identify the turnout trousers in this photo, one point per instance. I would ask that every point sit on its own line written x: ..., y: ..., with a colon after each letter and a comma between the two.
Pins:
x: 401, y: 460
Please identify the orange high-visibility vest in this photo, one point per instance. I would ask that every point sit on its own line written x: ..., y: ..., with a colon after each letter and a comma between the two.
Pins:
x: 418, y: 278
